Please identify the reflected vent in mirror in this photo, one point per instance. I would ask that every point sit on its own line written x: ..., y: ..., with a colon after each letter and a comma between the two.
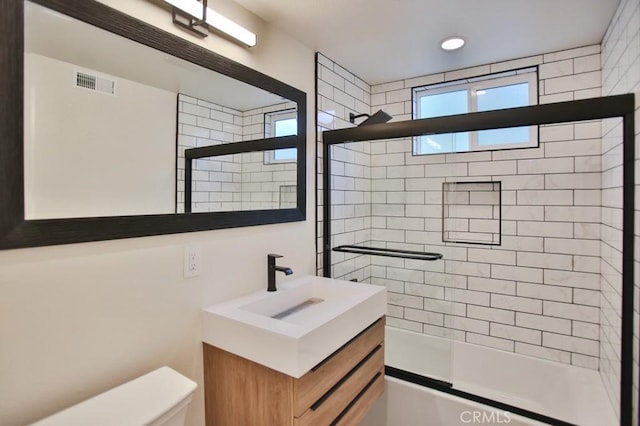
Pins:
x: 95, y: 83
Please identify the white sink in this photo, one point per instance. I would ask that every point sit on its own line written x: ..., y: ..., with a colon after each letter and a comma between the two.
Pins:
x: 291, y: 330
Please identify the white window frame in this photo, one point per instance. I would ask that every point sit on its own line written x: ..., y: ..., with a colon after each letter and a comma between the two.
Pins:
x: 473, y: 85
x: 270, y: 120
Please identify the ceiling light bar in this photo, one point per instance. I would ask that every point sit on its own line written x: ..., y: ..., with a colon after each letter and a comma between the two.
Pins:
x: 227, y: 26
x: 191, y: 7
x: 197, y: 13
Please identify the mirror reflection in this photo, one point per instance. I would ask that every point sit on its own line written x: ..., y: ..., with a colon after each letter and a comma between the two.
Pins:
x: 107, y: 121
x: 241, y: 182
x: 247, y: 181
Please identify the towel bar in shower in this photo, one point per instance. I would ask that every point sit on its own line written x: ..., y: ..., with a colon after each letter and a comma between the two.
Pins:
x: 376, y: 251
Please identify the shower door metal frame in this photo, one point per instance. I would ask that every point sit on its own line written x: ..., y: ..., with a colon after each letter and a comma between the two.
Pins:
x: 619, y: 106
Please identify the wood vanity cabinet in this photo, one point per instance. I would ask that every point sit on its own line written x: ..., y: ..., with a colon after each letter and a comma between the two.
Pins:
x: 338, y: 391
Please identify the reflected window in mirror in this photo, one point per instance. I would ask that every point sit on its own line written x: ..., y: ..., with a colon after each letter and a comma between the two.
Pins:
x: 280, y: 123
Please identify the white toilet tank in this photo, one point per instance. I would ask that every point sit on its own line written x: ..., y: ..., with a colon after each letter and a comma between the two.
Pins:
x: 159, y: 398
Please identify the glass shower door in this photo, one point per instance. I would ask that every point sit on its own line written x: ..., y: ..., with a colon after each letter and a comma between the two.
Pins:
x: 386, y: 229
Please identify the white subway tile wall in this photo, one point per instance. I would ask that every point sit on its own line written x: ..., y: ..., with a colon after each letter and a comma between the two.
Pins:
x: 530, y: 290
x: 515, y: 296
x: 339, y: 94
x: 620, y: 60
x: 230, y: 182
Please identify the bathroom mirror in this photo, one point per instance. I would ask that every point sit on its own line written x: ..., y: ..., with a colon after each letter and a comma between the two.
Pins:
x: 94, y: 144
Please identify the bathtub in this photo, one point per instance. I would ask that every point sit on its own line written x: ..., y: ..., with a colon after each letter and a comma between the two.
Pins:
x: 571, y: 394
x: 406, y: 404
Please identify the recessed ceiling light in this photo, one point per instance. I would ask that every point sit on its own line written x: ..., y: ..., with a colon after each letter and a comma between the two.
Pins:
x: 452, y: 43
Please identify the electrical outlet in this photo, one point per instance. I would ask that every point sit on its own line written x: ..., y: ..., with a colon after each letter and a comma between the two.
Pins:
x: 191, y: 262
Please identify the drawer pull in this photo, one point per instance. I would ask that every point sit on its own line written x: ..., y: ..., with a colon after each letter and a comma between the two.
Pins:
x: 309, y: 388
x: 330, y: 392
x: 356, y: 399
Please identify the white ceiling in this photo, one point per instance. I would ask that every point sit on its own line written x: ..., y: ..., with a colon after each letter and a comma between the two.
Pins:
x: 56, y: 36
x: 386, y: 40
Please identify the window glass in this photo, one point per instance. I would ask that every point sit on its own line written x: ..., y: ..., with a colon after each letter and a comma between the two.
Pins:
x: 514, y: 135
x: 285, y: 127
x: 442, y: 104
x: 448, y: 142
x: 282, y: 123
x: 511, y: 90
x: 514, y: 95
x: 285, y: 154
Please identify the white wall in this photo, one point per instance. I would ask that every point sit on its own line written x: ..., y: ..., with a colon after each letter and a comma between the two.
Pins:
x: 76, y: 320
x: 340, y: 93
x: 94, y: 154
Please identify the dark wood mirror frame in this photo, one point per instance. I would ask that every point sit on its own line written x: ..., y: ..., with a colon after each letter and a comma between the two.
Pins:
x: 16, y: 232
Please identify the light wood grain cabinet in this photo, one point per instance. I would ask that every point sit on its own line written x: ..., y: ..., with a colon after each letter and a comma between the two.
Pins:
x: 338, y: 391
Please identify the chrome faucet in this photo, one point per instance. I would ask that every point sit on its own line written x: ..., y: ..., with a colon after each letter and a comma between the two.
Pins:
x: 271, y: 271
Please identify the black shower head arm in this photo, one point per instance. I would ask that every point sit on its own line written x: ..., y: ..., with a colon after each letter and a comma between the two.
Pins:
x: 378, y: 118
x: 352, y: 117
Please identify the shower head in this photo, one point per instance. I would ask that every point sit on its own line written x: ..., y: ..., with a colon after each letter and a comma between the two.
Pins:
x: 377, y: 118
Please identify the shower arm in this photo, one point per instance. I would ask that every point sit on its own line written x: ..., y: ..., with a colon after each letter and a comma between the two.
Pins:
x: 378, y: 117
x: 353, y: 117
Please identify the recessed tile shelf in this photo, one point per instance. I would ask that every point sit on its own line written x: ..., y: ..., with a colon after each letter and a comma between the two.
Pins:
x: 471, y: 212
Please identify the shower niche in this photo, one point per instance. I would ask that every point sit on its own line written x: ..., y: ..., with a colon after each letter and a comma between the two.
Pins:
x: 471, y: 212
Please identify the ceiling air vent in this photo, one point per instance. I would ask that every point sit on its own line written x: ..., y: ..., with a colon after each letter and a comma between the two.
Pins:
x: 95, y: 83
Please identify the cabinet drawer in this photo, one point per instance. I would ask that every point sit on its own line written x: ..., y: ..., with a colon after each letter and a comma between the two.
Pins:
x: 309, y: 388
x: 363, y: 403
x: 325, y: 411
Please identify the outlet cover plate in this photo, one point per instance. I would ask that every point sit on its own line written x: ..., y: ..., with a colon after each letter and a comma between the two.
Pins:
x: 191, y: 261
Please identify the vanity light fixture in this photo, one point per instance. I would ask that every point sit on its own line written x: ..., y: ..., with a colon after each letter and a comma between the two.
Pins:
x: 192, y: 7
x: 452, y: 43
x: 195, y: 16
x: 227, y: 26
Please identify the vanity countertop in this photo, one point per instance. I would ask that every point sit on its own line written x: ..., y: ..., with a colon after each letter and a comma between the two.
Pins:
x: 293, y: 329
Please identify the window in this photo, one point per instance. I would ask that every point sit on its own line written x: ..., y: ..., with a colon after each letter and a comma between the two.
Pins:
x: 280, y: 123
x: 506, y: 90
